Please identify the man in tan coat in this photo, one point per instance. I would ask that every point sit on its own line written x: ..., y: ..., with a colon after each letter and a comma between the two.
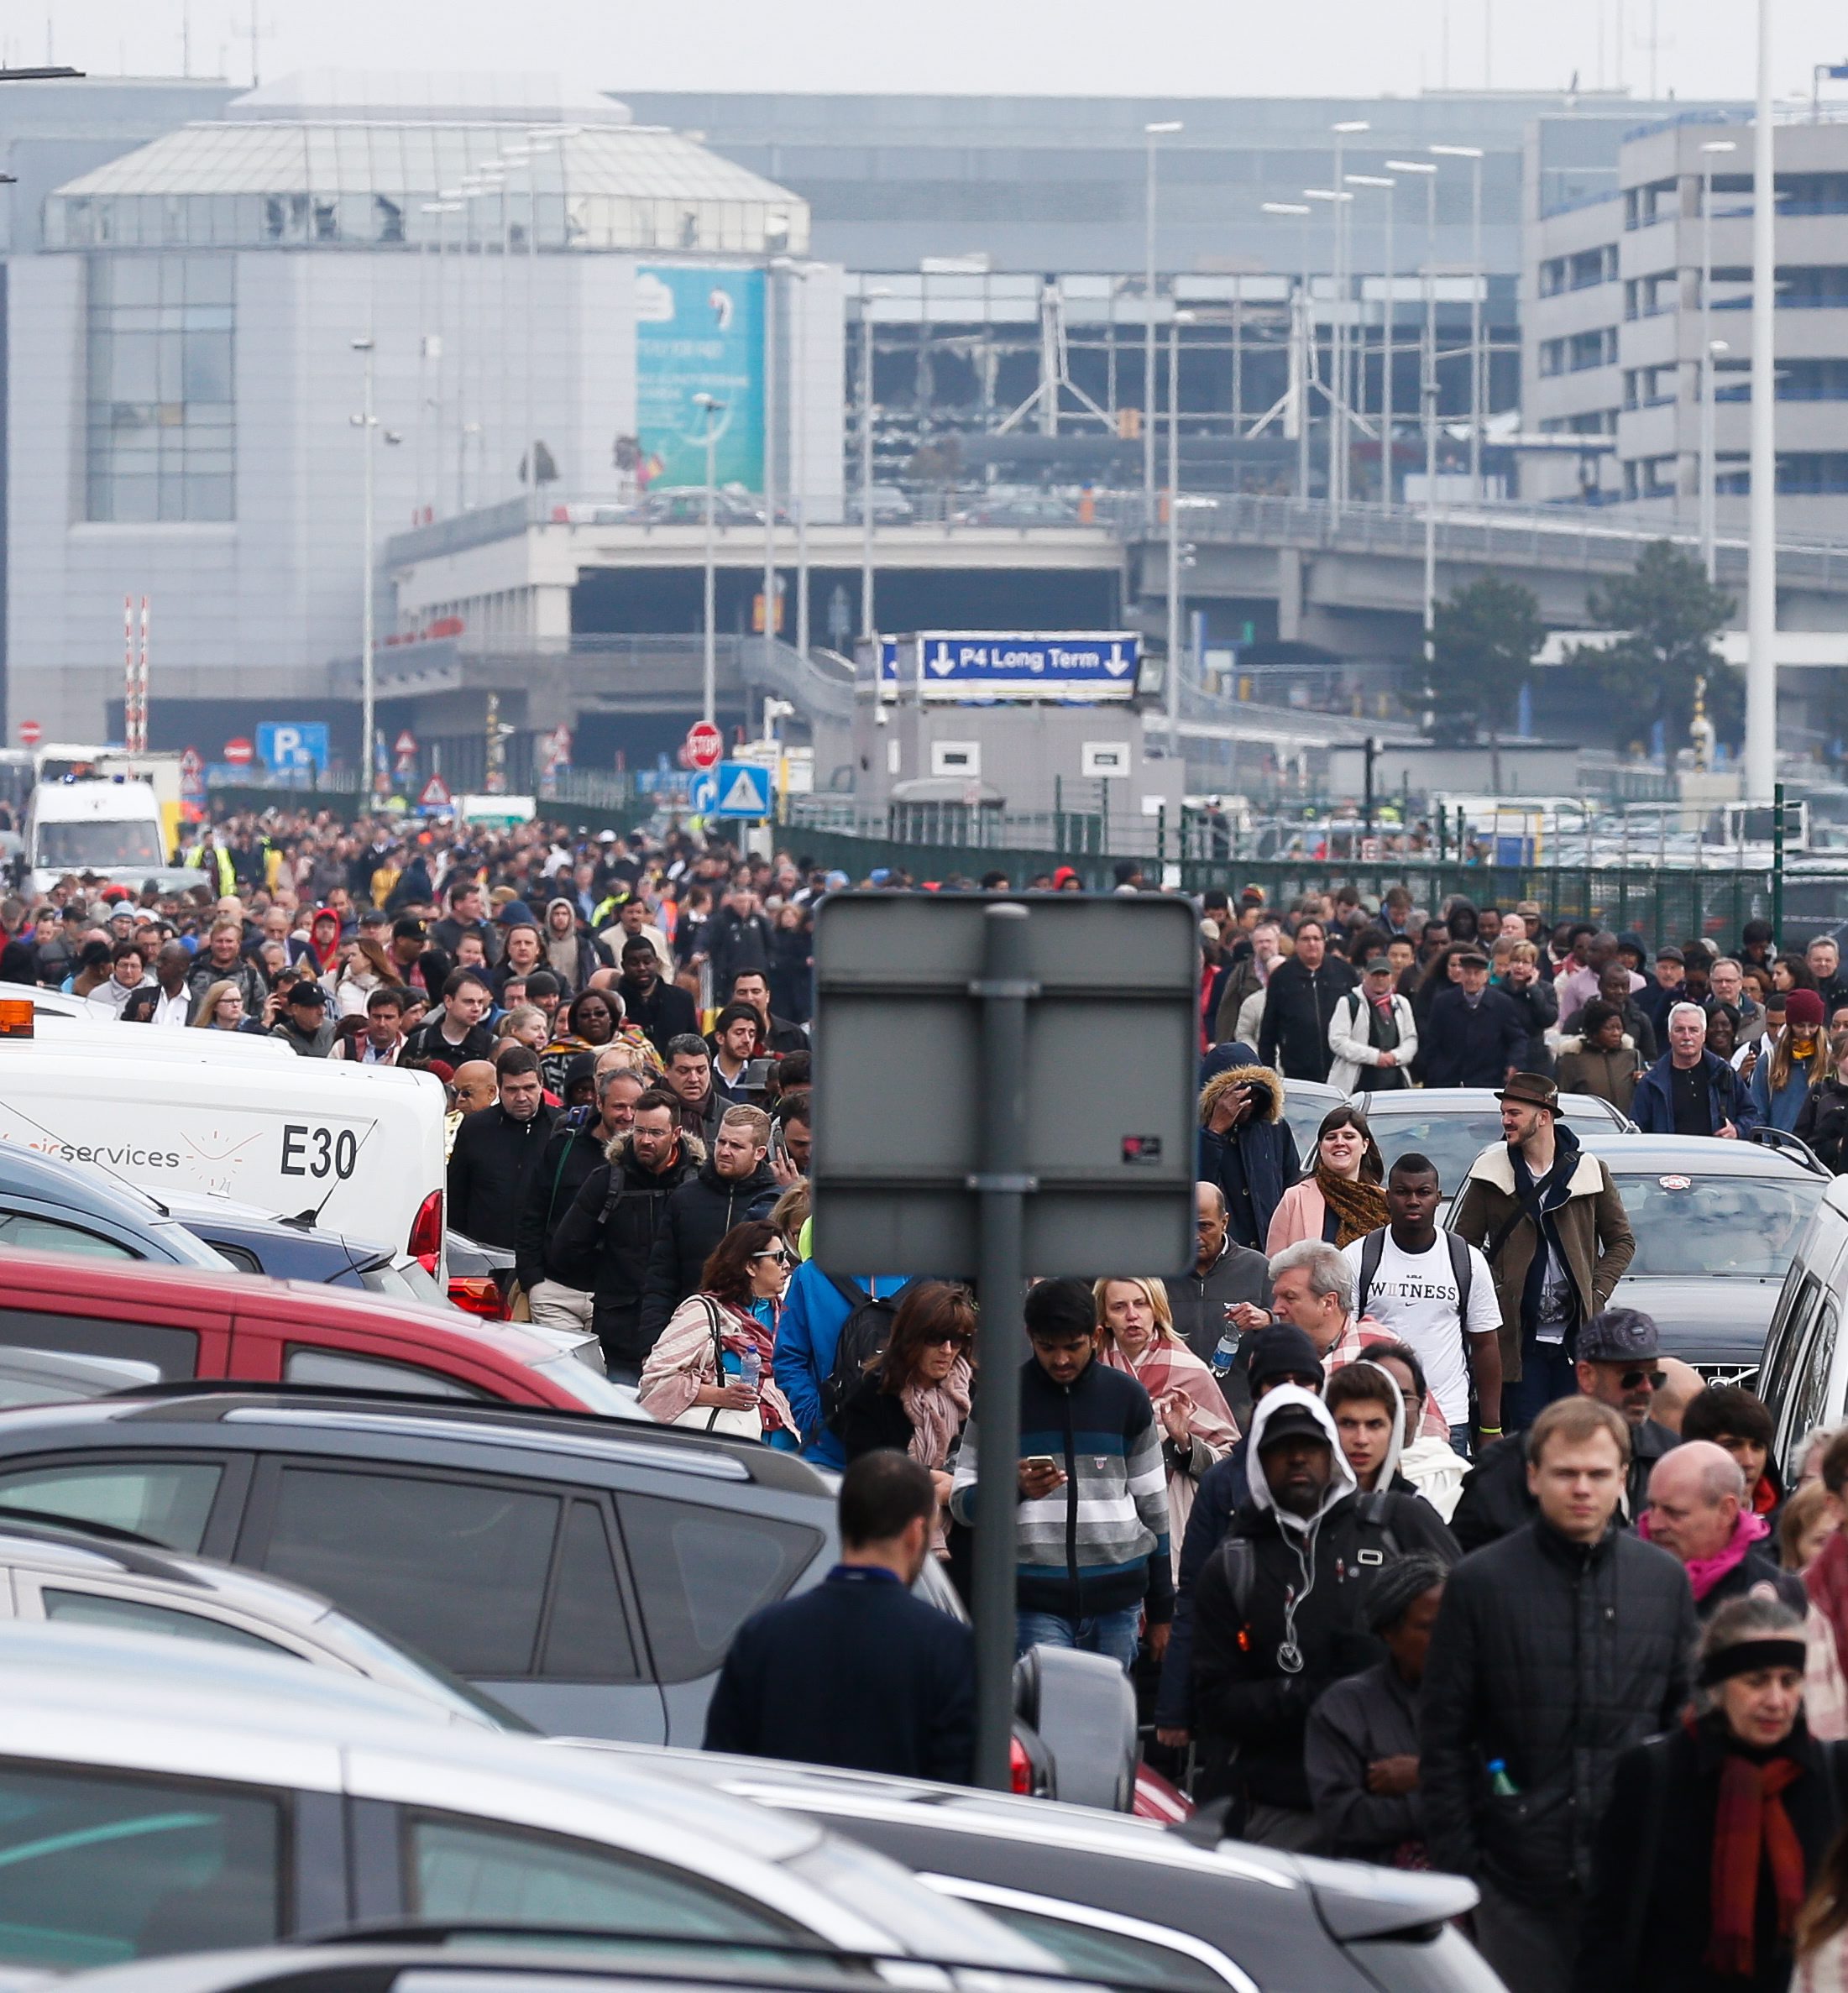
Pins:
x: 1553, y: 1230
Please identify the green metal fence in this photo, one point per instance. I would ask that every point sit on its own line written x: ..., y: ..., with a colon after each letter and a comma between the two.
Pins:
x: 1666, y: 904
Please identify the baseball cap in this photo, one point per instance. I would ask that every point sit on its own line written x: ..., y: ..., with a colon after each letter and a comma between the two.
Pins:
x: 1379, y: 966
x: 1619, y: 1335
x: 1293, y: 1421
x: 308, y: 990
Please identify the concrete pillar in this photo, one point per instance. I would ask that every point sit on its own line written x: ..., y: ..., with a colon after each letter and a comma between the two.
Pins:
x: 1289, y: 594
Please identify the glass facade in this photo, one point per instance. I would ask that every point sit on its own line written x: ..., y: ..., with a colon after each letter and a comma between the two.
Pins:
x: 479, y: 187
x: 161, y: 430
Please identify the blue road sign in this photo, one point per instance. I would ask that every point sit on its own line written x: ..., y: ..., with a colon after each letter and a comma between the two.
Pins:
x: 975, y: 665
x: 288, y: 746
x: 703, y: 792
x: 744, y: 790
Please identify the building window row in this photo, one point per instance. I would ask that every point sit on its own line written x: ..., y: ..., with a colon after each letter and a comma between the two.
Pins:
x: 1581, y: 271
x: 1579, y: 351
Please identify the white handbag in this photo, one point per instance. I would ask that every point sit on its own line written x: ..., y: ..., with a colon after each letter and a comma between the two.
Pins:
x: 746, y: 1424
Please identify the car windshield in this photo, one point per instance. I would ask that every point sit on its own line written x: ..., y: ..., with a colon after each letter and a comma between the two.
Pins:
x: 1692, y: 1227
x: 1452, y: 1141
x: 100, y: 842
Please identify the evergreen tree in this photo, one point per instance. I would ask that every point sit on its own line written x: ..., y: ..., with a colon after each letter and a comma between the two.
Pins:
x: 1484, y: 639
x: 1669, y: 613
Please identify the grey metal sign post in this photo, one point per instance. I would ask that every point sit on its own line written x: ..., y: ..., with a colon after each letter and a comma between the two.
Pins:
x: 1004, y: 1086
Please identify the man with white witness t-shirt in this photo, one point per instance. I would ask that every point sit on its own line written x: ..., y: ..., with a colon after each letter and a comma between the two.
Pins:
x: 1436, y: 1292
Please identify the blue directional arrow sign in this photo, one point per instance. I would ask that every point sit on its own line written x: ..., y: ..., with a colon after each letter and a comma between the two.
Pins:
x: 744, y: 790
x: 977, y: 666
x: 703, y: 792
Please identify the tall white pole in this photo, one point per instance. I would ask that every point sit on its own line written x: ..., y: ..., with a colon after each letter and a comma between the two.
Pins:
x: 1148, y: 328
x: 1428, y: 397
x: 868, y: 624
x: 1173, y: 685
x: 1478, y: 282
x: 1762, y: 589
x: 1337, y: 353
x: 710, y: 407
x: 798, y: 460
x: 770, y: 461
x: 367, y: 633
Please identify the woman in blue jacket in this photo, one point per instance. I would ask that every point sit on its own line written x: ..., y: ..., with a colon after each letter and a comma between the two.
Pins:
x: 1781, y: 1084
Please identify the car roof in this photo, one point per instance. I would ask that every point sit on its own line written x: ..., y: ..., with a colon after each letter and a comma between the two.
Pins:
x: 182, y: 1693
x: 194, y: 1208
x: 244, y: 1411
x: 1483, y: 1099
x: 31, y: 1173
x: 1692, y: 1155
x: 291, y: 1303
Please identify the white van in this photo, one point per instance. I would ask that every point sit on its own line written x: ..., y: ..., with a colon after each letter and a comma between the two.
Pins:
x: 1804, y: 1375
x: 359, y: 1147
x: 113, y: 829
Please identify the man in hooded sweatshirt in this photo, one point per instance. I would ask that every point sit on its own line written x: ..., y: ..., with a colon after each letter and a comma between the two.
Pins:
x: 1279, y: 1612
x: 570, y: 953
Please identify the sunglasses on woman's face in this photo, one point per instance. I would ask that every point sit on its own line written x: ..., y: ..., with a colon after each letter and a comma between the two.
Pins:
x: 777, y: 1253
x: 957, y: 1341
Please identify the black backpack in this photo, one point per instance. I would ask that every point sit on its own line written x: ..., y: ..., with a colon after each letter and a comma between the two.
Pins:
x: 1373, y: 1250
x: 864, y: 1335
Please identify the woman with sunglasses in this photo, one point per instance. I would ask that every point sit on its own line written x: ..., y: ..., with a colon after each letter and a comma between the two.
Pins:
x: 711, y: 1367
x: 915, y: 1397
x: 1137, y: 1330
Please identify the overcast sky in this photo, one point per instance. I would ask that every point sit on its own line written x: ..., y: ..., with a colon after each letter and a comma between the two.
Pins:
x: 1084, y: 47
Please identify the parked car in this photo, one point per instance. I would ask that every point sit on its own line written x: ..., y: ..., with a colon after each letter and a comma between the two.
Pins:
x: 588, y: 1577
x: 234, y: 1799
x: 69, y: 1329
x: 1717, y: 1226
x: 49, y: 1206
x: 1306, y: 1103
x: 436, y: 1959
x: 1127, y: 1902
x: 88, y: 1575
x: 1804, y: 1377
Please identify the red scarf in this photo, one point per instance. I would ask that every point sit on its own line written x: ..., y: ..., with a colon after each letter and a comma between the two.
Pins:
x: 1750, y: 1827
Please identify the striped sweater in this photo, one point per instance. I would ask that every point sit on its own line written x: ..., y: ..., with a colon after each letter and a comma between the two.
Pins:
x: 1099, y: 1542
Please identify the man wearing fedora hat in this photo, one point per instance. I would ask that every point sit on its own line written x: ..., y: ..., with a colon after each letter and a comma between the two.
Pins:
x: 1553, y: 1230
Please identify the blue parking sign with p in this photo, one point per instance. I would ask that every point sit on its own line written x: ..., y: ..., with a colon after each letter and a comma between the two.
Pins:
x: 291, y: 746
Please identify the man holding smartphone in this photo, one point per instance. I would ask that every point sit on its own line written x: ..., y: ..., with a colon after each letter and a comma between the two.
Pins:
x: 1093, y: 1491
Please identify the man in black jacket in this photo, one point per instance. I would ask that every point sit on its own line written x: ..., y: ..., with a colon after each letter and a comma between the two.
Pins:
x: 662, y: 1009
x: 575, y: 1149
x: 735, y: 1183
x: 1279, y: 1611
x: 778, y: 1034
x: 497, y: 1151
x: 458, y: 1032
x: 1246, y: 1147
x: 606, y: 1238
x: 1298, y: 1001
x: 856, y: 1671
x: 1616, y: 1358
x: 1474, y: 1036
x: 1555, y: 1650
x: 467, y: 914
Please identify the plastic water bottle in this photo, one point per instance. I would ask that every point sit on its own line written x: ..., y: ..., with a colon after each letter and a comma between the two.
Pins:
x: 1499, y: 1783
x: 750, y: 1370
x: 1224, y: 1351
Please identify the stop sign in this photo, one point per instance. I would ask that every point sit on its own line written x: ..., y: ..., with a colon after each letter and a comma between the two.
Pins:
x: 30, y: 733
x: 705, y: 744
x: 239, y: 752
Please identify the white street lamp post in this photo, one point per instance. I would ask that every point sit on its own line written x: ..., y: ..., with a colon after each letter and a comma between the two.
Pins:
x: 1336, y: 391
x: 1172, y: 687
x: 1389, y: 186
x: 366, y: 422
x: 1762, y: 579
x: 868, y: 622
x: 712, y: 408
x: 1428, y: 370
x: 1478, y: 282
x: 1704, y: 377
x: 1161, y: 129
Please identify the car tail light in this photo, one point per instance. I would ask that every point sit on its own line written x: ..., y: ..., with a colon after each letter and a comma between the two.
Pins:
x: 1020, y: 1772
x: 426, y: 1241
x: 477, y: 1294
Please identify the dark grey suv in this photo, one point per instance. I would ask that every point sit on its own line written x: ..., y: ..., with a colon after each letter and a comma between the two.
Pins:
x: 590, y: 1581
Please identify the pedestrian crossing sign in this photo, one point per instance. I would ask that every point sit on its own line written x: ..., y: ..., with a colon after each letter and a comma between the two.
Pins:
x: 744, y: 790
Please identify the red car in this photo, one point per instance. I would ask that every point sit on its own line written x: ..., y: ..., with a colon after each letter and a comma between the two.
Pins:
x: 75, y: 1327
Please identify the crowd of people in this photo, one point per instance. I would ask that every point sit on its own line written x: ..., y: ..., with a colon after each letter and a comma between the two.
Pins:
x: 1415, y: 1548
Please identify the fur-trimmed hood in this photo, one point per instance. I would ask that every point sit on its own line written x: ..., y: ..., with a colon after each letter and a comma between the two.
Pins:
x: 1563, y: 1044
x: 1266, y: 1085
x: 693, y: 1150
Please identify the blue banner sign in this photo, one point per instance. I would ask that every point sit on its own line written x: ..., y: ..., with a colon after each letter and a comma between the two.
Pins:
x: 1080, y: 666
x: 699, y: 331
